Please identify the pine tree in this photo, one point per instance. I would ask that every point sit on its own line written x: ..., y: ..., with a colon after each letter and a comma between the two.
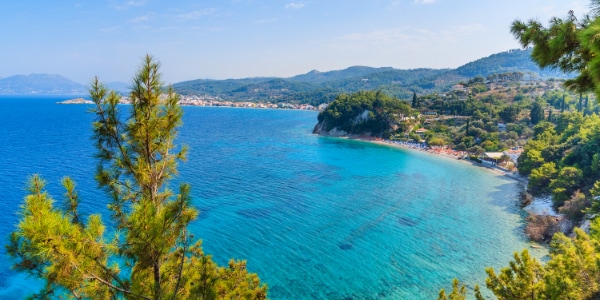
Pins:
x: 459, y: 292
x: 569, y: 44
x: 150, y: 254
x: 573, y: 271
x: 523, y: 279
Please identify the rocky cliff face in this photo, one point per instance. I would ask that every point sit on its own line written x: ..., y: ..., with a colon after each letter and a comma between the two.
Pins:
x: 322, y: 127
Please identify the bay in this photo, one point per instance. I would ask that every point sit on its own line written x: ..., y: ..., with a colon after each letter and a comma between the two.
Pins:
x: 315, y: 217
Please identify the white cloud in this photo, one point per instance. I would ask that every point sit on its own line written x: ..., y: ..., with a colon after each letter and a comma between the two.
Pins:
x: 295, y: 5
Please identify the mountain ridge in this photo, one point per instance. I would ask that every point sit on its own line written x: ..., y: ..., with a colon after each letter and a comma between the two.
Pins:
x: 49, y: 84
x: 314, y: 87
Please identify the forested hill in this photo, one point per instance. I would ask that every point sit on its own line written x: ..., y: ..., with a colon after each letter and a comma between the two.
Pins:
x: 317, y: 87
x: 510, y: 61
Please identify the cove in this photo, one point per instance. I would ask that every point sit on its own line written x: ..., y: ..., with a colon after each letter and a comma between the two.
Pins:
x: 315, y: 217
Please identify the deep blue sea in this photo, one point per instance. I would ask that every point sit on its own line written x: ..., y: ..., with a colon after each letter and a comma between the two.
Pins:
x: 316, y: 217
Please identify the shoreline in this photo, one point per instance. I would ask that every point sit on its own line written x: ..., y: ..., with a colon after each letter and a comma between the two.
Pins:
x: 540, y: 206
x: 439, y: 153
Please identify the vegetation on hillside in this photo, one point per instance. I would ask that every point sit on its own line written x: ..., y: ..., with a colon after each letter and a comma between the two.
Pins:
x: 366, y: 113
x: 482, y: 114
x: 572, y: 272
x: 562, y: 159
x: 316, y: 87
x: 145, y: 251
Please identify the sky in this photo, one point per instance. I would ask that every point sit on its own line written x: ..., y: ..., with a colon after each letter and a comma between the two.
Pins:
x: 252, y: 38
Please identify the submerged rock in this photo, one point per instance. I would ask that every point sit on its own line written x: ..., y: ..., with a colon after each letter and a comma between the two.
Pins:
x: 345, y: 246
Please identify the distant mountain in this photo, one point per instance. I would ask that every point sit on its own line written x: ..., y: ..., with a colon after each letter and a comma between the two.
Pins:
x: 313, y: 87
x: 315, y: 76
x: 509, y: 61
x: 317, y: 87
x: 40, y: 84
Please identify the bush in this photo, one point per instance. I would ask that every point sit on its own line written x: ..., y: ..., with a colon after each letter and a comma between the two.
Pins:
x: 541, y: 228
x: 475, y: 158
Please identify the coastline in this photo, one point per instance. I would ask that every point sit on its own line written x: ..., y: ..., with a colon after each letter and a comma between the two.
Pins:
x: 439, y: 152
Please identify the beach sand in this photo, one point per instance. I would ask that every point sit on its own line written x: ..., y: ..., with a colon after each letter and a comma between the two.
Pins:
x: 447, y: 153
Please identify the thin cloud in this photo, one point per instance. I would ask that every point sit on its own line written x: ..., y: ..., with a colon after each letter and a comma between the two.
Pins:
x: 295, y: 5
x: 386, y: 36
x: 423, y: 1
x: 396, y: 3
x: 109, y: 29
x: 123, y: 5
x: 141, y: 19
x: 412, y: 35
x: 467, y: 29
x: 197, y: 14
x: 265, y: 21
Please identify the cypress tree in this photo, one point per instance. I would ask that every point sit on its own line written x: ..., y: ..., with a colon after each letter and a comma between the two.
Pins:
x: 537, y: 113
x: 415, y: 100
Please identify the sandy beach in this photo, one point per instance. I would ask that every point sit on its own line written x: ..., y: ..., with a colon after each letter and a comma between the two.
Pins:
x: 443, y: 152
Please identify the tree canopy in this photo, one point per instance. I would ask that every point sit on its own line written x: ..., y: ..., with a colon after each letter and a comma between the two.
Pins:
x: 365, y: 112
x: 149, y: 253
x: 569, y: 44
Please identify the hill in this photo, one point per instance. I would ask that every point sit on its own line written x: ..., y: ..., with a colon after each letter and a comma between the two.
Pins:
x: 509, y: 61
x: 317, y: 87
x: 40, y: 84
x: 313, y: 87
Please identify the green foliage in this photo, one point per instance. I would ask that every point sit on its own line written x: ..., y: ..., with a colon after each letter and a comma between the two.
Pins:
x: 510, y: 113
x: 540, y: 178
x: 523, y: 279
x: 415, y: 100
x: 537, y: 113
x: 572, y: 272
x: 566, y: 159
x: 567, y: 44
x: 149, y: 254
x: 364, y: 112
x: 459, y: 292
x: 569, y: 178
x: 322, y: 87
x: 571, y: 147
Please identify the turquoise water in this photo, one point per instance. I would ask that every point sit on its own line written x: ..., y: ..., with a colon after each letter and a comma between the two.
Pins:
x: 316, y: 217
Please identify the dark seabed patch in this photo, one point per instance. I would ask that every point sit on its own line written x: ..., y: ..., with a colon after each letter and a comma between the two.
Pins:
x: 255, y: 213
x: 345, y: 246
x: 407, y: 222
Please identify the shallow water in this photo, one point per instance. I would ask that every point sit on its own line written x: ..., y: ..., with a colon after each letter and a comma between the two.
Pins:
x: 315, y: 217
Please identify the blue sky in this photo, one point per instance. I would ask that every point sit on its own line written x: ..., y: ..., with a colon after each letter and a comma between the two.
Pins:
x: 245, y: 38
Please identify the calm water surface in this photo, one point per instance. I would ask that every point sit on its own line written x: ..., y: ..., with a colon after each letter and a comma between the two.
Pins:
x: 316, y: 217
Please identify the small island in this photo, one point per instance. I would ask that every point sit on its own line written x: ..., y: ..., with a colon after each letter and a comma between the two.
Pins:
x: 76, y: 101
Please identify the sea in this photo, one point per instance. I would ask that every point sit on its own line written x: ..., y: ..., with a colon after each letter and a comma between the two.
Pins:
x: 316, y: 217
